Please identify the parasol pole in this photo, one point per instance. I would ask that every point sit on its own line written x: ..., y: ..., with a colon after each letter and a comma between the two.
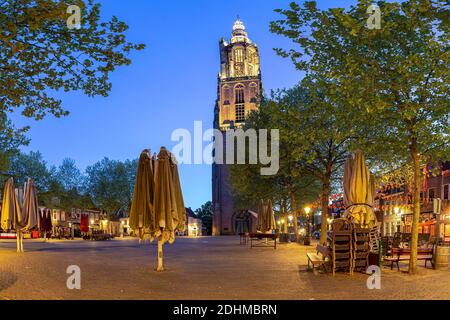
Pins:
x: 18, y: 240
x: 21, y: 241
x: 160, y: 254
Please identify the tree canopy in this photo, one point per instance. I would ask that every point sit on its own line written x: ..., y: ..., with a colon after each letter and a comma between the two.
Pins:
x: 110, y: 183
x: 205, y: 214
x: 107, y: 184
x: 40, y: 55
x: 396, y: 78
x: 11, y: 139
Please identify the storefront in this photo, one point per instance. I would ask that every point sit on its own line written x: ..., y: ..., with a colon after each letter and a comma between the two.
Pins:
x: 444, y: 222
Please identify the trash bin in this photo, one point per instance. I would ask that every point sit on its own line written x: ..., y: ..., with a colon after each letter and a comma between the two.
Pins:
x: 441, y: 258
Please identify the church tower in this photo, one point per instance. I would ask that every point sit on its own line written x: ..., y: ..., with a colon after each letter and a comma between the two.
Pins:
x: 238, y: 92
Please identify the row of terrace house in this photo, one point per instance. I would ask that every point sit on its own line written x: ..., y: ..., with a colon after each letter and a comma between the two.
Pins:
x: 394, y: 207
x: 74, y: 222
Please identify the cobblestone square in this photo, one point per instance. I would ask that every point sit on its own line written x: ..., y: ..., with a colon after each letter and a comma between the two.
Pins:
x: 197, y: 268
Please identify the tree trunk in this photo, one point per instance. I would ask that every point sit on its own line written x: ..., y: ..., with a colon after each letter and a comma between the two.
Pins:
x: 285, y: 217
x: 294, y: 215
x: 325, y: 198
x: 416, y: 207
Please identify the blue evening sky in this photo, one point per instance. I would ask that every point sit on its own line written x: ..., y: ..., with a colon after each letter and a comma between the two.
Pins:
x: 169, y: 85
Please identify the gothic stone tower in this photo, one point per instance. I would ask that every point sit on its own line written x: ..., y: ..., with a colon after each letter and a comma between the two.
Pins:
x: 238, y: 92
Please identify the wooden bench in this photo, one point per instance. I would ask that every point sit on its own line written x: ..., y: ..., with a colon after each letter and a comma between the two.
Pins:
x: 404, y: 254
x: 262, y: 240
x: 318, y: 259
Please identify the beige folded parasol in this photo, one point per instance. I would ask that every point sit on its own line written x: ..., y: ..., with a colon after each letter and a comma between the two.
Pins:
x: 359, y: 190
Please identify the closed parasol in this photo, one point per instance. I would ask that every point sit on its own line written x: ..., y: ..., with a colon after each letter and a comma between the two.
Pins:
x: 261, y: 222
x: 270, y: 217
x: 142, y: 218
x: 30, y: 206
x: 10, y: 206
x: 17, y: 217
x: 181, y: 209
x: 29, y: 217
x: 45, y: 222
x: 169, y: 215
x: 359, y: 191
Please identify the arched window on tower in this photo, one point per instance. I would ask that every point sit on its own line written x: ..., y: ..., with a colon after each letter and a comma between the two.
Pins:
x: 253, y: 92
x: 226, y: 94
x: 239, y: 62
x: 239, y: 103
x: 239, y: 94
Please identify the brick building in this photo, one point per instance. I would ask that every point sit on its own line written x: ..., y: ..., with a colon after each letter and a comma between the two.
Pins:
x: 395, y: 208
x: 238, y: 93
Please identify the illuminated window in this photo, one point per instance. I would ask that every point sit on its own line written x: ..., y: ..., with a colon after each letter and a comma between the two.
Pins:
x: 240, y: 103
x: 240, y: 113
x: 239, y: 94
x: 253, y: 92
x: 446, y: 192
x: 239, y: 55
x: 431, y: 193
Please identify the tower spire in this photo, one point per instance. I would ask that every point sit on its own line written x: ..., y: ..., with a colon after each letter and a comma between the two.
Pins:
x: 239, y: 34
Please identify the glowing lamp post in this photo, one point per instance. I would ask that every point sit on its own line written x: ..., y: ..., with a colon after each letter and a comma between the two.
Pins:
x: 290, y: 217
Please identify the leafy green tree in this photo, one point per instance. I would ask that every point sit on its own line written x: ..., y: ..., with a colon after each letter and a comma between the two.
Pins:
x: 32, y: 165
x: 396, y: 76
x: 11, y: 139
x: 68, y: 175
x: 39, y: 54
x: 205, y: 214
x: 56, y: 196
x: 318, y: 138
x: 292, y: 186
x: 110, y: 183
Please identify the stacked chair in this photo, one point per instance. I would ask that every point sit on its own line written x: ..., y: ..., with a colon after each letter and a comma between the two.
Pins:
x: 361, y: 248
